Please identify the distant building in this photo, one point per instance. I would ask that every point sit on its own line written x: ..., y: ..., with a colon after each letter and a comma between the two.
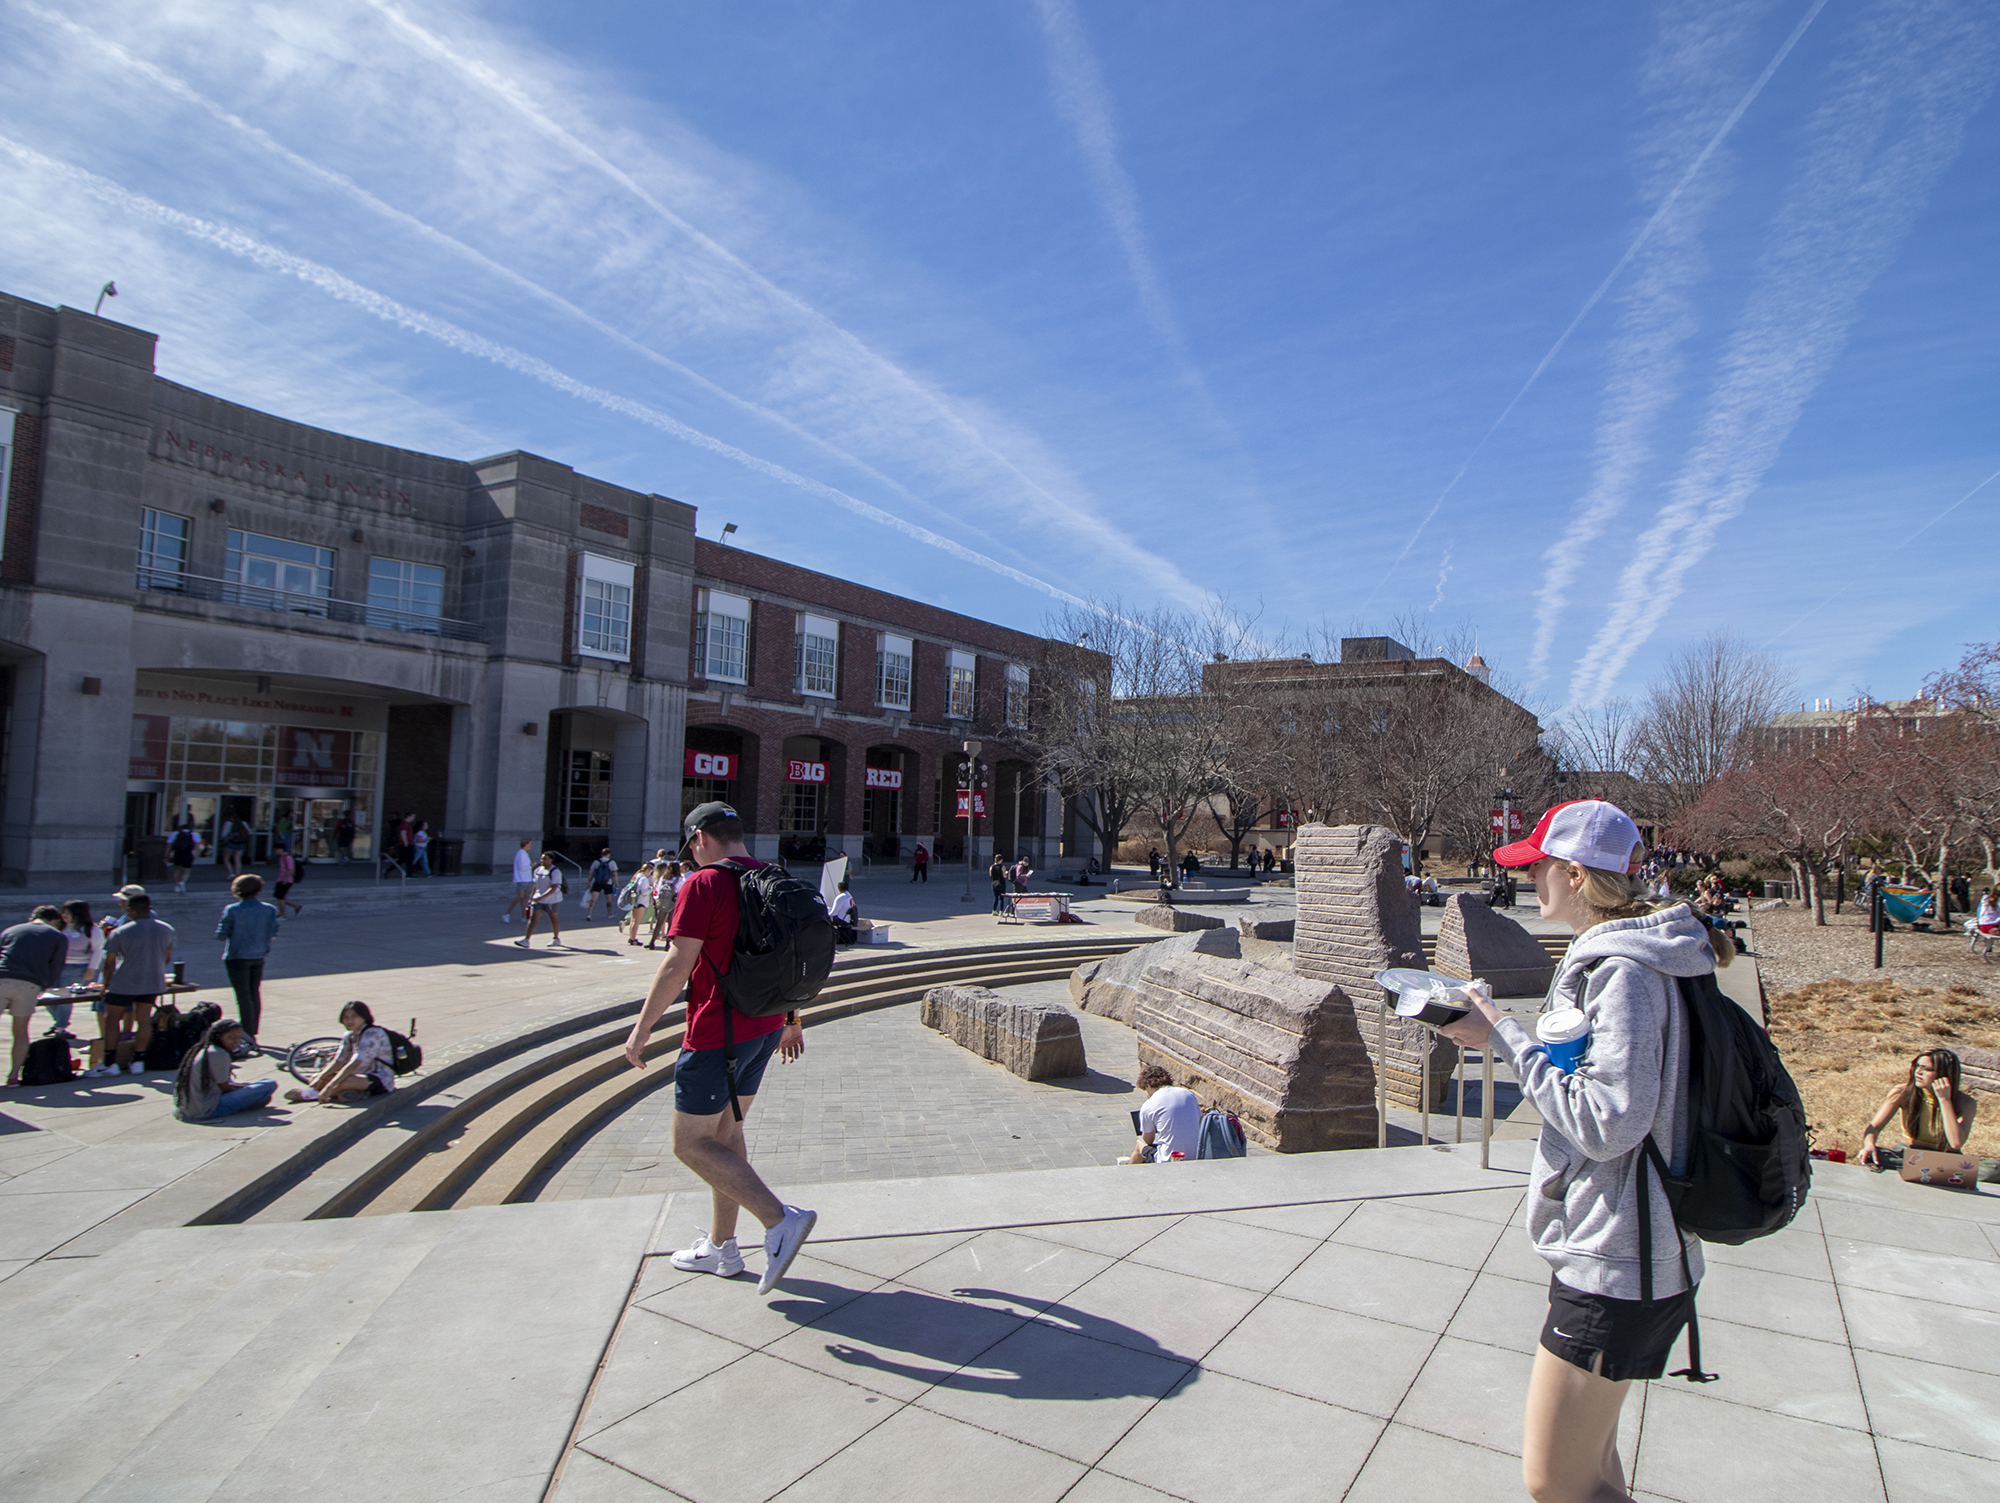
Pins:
x: 209, y: 614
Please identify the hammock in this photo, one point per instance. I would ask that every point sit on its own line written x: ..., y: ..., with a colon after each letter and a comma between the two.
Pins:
x: 1906, y: 904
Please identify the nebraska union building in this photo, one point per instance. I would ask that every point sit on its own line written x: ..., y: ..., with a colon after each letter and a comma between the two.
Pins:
x: 211, y: 616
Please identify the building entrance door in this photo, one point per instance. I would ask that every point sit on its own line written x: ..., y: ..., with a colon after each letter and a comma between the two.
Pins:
x: 197, y: 811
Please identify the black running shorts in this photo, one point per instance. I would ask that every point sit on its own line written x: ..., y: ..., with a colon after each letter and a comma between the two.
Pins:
x: 1633, y: 1335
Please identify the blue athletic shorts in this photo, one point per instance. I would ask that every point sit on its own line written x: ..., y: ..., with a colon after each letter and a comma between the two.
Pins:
x: 701, y: 1080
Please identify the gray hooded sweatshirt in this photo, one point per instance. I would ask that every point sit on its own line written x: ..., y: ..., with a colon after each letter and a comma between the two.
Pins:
x: 1583, y: 1207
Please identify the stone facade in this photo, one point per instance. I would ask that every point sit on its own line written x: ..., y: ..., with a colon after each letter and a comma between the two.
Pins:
x: 1475, y: 942
x: 1034, y: 1041
x: 1109, y: 988
x: 1356, y: 918
x: 1280, y: 1051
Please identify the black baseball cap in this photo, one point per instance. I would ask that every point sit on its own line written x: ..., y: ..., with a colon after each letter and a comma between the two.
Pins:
x: 704, y: 815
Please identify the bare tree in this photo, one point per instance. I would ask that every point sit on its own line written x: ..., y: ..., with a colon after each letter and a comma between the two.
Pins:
x: 1597, y: 746
x: 1694, y: 718
x: 1127, y: 726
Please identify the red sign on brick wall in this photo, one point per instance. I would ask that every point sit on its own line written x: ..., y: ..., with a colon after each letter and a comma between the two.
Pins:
x: 885, y: 777
x: 709, y: 765
x: 804, y: 772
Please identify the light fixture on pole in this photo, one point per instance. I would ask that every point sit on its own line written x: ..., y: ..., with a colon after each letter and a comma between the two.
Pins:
x: 109, y: 289
x: 972, y: 750
x: 727, y: 529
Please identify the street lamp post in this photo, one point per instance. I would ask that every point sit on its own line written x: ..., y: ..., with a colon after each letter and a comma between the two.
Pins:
x: 972, y: 750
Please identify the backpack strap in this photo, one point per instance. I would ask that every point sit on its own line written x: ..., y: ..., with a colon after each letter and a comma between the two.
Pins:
x: 1651, y: 1158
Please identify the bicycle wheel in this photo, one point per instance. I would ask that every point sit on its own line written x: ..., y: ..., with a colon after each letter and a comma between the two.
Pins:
x: 314, y: 1055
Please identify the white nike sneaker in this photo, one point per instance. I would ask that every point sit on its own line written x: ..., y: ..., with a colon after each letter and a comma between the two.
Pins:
x: 782, y: 1243
x: 706, y: 1257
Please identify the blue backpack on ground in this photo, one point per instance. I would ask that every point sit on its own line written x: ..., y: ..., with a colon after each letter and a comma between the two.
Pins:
x: 1221, y: 1136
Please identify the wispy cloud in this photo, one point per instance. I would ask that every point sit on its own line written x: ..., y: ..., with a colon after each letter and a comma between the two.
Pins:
x: 1691, y: 80
x: 389, y: 310
x: 1444, y: 574
x: 833, y: 371
x: 1894, y: 119
x: 1660, y: 216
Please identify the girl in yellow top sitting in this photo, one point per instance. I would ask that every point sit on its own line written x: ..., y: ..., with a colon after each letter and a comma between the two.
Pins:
x: 1937, y: 1112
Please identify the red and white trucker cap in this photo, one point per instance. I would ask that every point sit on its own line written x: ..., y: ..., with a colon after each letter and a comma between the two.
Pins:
x: 1587, y: 831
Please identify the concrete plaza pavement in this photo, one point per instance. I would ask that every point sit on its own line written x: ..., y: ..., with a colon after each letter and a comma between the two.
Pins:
x: 1324, y: 1326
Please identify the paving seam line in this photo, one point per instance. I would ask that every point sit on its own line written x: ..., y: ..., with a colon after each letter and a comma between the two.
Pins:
x: 604, y: 1357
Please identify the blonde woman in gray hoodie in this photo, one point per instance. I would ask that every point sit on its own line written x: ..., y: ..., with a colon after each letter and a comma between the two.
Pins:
x: 1602, y: 1333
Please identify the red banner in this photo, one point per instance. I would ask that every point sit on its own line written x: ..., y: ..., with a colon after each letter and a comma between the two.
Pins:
x: 709, y: 765
x: 1516, y: 821
x: 148, y: 756
x: 313, y: 758
x: 884, y: 777
x: 978, y: 804
x: 804, y: 772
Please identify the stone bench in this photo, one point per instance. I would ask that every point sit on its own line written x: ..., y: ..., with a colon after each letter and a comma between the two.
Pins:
x: 1034, y: 1041
x: 1175, y: 920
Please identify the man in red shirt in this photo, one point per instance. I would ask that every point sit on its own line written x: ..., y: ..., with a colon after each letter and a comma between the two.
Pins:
x: 708, y: 1137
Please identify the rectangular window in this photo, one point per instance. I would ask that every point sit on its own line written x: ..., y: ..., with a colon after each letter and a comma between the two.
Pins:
x: 604, y: 608
x: 1017, y: 697
x: 816, y: 657
x: 798, y: 810
x: 163, y: 550
x: 404, y: 596
x: 892, y: 672
x: 958, y: 688
x: 587, y: 798
x: 277, y: 574
x: 722, y: 636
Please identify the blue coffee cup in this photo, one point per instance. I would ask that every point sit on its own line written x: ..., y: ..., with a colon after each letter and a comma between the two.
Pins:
x: 1565, y: 1034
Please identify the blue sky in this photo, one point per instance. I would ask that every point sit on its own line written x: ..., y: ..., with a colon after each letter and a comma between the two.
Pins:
x: 1010, y: 300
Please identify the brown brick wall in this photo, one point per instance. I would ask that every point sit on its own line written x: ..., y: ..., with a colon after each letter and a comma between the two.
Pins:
x: 773, y: 646
x: 740, y: 572
x: 928, y: 662
x: 857, y: 668
x: 24, y: 493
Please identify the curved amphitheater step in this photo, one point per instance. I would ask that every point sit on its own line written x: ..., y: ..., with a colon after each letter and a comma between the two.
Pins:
x: 488, y: 1138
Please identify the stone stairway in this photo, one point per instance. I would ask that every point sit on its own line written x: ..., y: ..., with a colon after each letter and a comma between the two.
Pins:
x: 432, y: 1356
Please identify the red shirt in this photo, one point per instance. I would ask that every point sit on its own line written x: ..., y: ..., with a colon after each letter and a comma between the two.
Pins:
x: 706, y: 909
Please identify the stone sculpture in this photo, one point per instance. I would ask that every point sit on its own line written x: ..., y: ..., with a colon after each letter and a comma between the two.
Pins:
x: 1476, y: 942
x: 1178, y: 920
x: 1035, y: 1041
x: 1108, y: 987
x: 1280, y: 1051
x: 1356, y: 918
x: 1278, y: 929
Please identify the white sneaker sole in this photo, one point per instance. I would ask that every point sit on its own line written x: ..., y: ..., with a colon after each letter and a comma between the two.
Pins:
x: 775, y: 1267
x: 709, y: 1265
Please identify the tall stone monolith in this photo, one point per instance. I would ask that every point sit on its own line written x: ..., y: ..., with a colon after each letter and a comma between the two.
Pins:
x: 1356, y: 918
x: 1474, y: 941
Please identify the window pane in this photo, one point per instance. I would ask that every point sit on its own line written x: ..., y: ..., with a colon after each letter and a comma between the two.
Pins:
x: 277, y: 574
x: 893, y: 669
x: 404, y: 596
x: 726, y: 637
x: 960, y: 703
x: 816, y: 663
x: 163, y: 549
x: 607, y: 618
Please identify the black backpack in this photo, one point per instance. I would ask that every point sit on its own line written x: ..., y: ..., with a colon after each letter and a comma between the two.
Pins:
x: 1749, y: 1164
x: 175, y: 1032
x: 782, y: 956
x: 404, y: 1055
x: 784, y: 942
x: 48, y: 1061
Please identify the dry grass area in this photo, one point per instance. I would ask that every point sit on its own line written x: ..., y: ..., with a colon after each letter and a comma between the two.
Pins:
x: 1848, y: 1042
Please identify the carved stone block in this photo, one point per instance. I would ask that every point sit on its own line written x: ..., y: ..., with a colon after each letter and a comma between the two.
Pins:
x: 1108, y: 987
x: 1035, y: 1041
x: 1476, y: 942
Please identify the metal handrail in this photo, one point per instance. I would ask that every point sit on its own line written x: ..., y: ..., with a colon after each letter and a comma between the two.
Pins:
x: 352, y: 612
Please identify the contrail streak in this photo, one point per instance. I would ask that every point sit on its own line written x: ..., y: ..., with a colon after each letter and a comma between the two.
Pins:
x: 182, y: 90
x: 1603, y: 287
x: 1690, y: 64
x: 346, y: 290
x: 1894, y: 120
x: 1896, y: 547
x: 516, y: 99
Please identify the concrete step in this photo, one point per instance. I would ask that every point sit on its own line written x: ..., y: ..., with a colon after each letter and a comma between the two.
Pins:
x: 424, y: 1155
x: 231, y: 1362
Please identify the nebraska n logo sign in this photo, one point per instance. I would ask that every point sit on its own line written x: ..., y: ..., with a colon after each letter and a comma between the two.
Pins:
x: 314, y: 759
x: 313, y: 750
